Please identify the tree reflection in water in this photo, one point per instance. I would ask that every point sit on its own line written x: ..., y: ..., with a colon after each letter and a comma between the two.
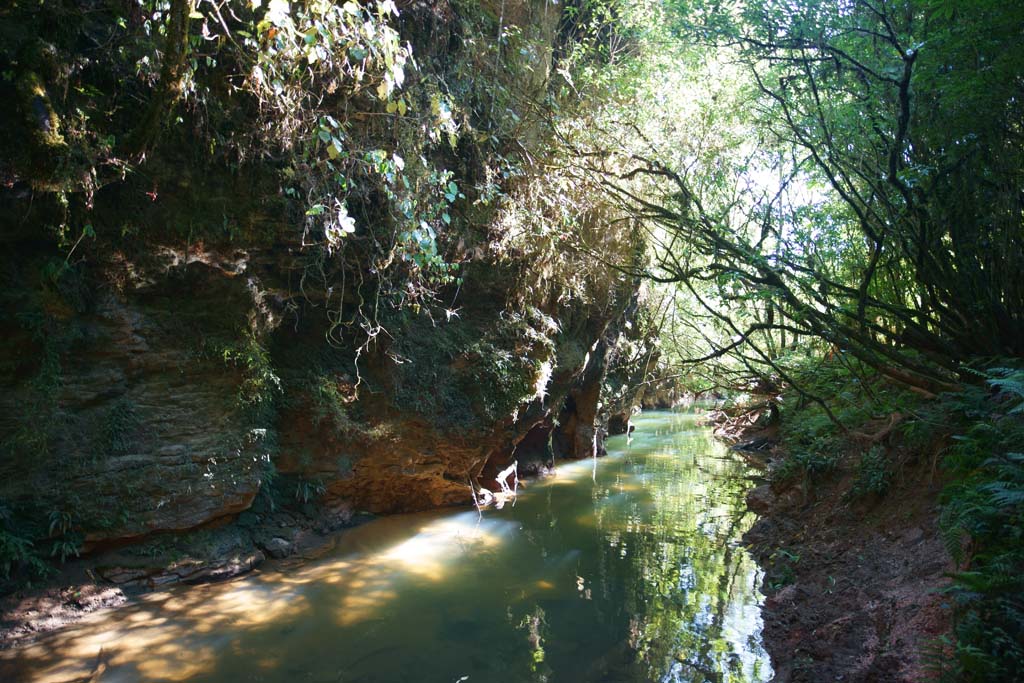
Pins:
x: 673, y: 596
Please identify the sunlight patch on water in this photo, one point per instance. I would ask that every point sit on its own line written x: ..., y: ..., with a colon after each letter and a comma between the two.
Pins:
x: 628, y: 569
x: 164, y: 637
x: 428, y: 555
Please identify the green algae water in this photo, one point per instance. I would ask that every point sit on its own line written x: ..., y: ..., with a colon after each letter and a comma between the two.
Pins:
x: 627, y: 568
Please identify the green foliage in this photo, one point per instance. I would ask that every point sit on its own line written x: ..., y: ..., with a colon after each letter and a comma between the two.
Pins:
x: 874, y: 474
x: 855, y: 396
x: 389, y: 172
x: 936, y: 658
x: 66, y: 540
x: 833, y: 189
x: 308, y: 490
x: 66, y: 547
x: 982, y: 518
x: 982, y: 523
x: 1009, y: 381
x: 118, y: 429
x: 330, y: 403
x: 810, y: 462
x: 18, y: 554
x: 782, y: 568
x: 426, y: 380
x: 500, y: 378
x: 813, y: 436
x: 36, y: 423
x: 259, y: 392
x: 270, y: 496
x: 260, y: 384
x: 467, y: 377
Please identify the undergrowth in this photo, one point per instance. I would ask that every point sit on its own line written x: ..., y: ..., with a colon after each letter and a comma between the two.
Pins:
x: 983, y: 526
x: 976, y: 436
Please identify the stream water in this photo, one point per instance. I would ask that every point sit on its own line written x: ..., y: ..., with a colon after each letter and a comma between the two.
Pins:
x: 623, y: 569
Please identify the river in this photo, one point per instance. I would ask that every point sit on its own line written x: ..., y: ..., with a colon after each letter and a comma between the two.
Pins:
x: 627, y: 568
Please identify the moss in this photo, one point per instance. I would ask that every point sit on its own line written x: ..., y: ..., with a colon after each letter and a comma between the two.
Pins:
x: 117, y: 432
x: 498, y: 379
x: 42, y: 120
x: 425, y: 380
x: 463, y: 376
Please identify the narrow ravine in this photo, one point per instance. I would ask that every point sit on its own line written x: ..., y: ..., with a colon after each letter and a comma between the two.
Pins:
x: 627, y: 568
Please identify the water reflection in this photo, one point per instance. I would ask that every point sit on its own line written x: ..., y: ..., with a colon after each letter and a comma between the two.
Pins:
x: 631, y: 572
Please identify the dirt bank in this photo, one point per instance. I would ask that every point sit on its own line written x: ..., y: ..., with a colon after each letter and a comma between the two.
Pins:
x: 853, y: 584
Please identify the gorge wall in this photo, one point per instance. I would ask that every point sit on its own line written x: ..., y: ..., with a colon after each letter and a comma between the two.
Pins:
x: 362, y: 304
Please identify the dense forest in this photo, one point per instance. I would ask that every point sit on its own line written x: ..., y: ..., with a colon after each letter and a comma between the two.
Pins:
x: 283, y: 264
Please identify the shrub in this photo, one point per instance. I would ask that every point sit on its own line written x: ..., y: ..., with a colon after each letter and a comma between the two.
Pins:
x: 18, y: 554
x: 874, y: 474
x: 810, y: 462
x: 983, y: 525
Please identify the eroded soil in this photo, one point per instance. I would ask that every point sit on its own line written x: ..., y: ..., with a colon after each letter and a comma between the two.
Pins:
x: 853, y: 585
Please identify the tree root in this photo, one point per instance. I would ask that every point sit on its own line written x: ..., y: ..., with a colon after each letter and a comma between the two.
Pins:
x: 894, y: 421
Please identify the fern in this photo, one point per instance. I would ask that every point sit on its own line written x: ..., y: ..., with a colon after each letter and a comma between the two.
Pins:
x: 937, y: 661
x: 1008, y: 381
x: 984, y: 503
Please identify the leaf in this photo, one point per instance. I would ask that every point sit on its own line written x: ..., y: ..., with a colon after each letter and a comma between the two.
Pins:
x: 278, y: 12
x: 334, y: 149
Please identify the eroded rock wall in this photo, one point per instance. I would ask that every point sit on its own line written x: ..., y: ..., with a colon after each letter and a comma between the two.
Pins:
x: 148, y: 424
x: 191, y: 362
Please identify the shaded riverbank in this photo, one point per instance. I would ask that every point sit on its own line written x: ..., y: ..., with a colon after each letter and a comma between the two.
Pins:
x: 627, y: 568
x: 853, y: 583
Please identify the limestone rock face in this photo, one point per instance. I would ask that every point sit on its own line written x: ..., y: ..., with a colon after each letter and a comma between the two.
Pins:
x: 173, y: 382
x: 142, y: 429
x: 405, y: 465
x: 153, y: 421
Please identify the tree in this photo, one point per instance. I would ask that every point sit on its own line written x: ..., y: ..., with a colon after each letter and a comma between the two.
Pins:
x: 891, y: 227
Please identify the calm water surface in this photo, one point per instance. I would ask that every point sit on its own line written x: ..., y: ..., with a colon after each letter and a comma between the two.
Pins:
x: 624, y: 569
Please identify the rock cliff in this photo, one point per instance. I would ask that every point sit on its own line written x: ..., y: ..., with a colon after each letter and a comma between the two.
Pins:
x: 189, y: 339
